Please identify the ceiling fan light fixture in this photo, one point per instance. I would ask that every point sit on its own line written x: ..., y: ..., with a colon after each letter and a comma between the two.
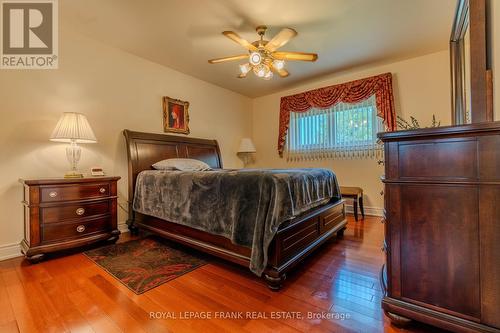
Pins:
x: 245, y: 68
x: 263, y: 58
x: 255, y: 58
x: 268, y: 75
x: 261, y: 70
x: 278, y: 64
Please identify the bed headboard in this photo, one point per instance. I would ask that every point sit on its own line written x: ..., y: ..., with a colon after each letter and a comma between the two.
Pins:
x: 145, y: 149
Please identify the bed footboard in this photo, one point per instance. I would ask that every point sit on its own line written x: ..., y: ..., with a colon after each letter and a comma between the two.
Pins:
x: 297, y: 239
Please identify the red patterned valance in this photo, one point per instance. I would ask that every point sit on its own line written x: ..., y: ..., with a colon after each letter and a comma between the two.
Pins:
x: 351, y: 92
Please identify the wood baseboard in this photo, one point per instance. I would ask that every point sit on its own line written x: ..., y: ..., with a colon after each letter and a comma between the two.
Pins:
x: 10, y: 251
x: 369, y: 211
x: 123, y: 227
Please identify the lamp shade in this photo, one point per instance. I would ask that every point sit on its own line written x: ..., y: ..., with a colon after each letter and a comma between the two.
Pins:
x: 73, y: 127
x: 246, y: 146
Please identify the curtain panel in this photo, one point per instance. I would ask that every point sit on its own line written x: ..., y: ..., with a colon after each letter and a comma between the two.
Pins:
x: 350, y: 92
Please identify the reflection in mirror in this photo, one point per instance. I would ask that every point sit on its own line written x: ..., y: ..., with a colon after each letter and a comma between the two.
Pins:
x: 467, y: 77
x: 471, y: 72
x: 460, y: 64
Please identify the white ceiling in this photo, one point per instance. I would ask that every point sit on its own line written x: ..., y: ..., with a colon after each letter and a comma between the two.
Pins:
x: 184, y: 34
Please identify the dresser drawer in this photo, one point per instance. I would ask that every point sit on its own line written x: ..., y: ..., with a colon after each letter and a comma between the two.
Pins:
x: 68, y: 192
x: 438, y: 159
x: 74, y: 211
x: 54, y: 232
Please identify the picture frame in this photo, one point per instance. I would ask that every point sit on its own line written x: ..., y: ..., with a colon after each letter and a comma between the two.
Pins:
x: 175, y: 116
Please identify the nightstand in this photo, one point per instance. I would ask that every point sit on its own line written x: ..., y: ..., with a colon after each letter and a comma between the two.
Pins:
x: 62, y: 214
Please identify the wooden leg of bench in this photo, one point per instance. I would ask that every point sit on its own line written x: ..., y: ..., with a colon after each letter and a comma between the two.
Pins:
x: 361, y: 207
x: 355, y: 205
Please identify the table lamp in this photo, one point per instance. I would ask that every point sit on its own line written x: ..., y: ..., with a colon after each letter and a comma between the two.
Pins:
x: 73, y: 128
x: 246, y: 149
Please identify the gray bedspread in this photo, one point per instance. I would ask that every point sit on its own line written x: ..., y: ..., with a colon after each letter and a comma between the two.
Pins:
x: 246, y: 206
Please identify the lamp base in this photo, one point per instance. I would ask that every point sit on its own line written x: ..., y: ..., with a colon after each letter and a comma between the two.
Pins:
x: 246, y: 157
x: 73, y: 174
x: 73, y: 153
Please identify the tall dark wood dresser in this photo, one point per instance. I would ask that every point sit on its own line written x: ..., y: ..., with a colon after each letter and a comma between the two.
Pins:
x: 442, y: 227
x: 63, y: 214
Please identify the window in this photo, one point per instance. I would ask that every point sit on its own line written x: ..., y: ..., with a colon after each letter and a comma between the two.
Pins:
x: 343, y: 131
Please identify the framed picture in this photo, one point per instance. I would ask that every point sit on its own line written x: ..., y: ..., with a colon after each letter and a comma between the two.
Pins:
x: 175, y: 116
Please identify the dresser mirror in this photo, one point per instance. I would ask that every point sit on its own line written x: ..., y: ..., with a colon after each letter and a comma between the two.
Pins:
x: 471, y: 75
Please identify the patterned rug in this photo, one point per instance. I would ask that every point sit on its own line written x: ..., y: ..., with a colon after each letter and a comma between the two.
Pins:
x: 144, y: 264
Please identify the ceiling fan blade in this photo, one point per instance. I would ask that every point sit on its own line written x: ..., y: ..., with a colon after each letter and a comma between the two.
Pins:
x: 230, y: 58
x: 235, y: 37
x: 280, y: 39
x: 282, y: 72
x: 302, y: 56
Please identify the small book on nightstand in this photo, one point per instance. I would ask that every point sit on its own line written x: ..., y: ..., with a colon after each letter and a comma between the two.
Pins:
x: 67, y: 213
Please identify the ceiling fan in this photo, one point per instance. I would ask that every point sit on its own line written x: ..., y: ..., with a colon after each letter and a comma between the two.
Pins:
x: 263, y: 59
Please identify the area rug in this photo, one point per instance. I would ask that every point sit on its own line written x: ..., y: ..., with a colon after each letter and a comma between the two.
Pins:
x: 144, y: 264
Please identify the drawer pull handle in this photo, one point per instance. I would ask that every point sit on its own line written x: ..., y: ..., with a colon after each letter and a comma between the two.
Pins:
x: 80, y: 211
x: 53, y: 194
x: 102, y: 190
x: 381, y: 192
x: 80, y: 228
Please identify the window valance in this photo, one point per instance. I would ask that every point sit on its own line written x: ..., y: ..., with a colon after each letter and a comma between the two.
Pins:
x: 350, y: 92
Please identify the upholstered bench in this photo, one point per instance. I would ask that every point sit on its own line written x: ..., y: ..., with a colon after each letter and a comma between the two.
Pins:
x: 355, y: 193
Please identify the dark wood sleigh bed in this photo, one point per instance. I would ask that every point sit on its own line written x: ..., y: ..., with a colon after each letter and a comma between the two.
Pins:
x: 294, y: 240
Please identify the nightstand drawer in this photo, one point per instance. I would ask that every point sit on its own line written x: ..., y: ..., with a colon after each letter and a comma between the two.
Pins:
x: 75, y: 211
x: 54, y: 232
x: 64, y: 193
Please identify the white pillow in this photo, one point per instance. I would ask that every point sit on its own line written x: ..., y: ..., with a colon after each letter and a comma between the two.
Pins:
x: 182, y: 164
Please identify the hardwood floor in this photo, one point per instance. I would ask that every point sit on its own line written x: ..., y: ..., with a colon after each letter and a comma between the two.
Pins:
x: 72, y: 294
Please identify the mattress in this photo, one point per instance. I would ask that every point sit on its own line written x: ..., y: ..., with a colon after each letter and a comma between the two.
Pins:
x: 246, y: 206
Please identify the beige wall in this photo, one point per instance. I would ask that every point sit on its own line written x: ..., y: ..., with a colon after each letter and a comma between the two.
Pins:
x: 116, y: 91
x: 421, y: 88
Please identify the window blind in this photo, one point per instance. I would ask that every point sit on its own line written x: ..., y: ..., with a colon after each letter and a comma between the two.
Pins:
x: 343, y: 131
